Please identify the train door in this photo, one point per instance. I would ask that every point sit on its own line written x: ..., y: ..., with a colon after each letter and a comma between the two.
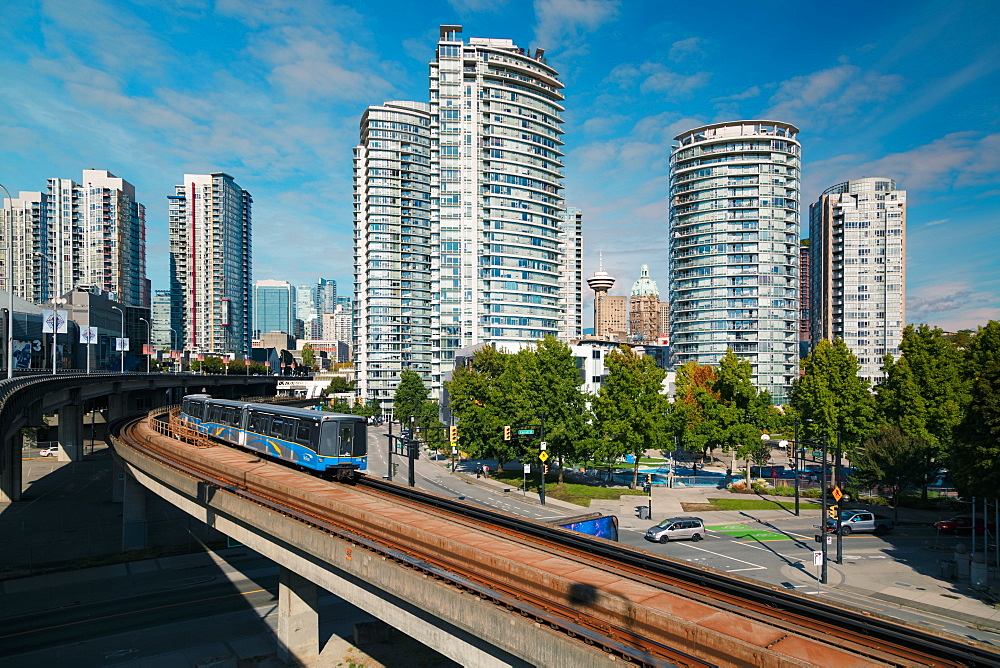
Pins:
x: 360, y: 439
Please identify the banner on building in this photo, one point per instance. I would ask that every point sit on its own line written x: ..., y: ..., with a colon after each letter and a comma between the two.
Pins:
x: 88, y: 335
x: 147, y: 350
x: 54, y: 321
x: 175, y: 354
x: 121, y: 345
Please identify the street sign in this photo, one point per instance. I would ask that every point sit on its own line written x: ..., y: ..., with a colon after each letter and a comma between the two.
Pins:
x: 543, y: 456
x: 818, y: 558
x: 543, y: 445
x: 527, y: 468
x: 525, y: 432
x: 837, y: 493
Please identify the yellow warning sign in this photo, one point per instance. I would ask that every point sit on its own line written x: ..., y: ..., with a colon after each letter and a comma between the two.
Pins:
x: 837, y: 493
x: 543, y: 456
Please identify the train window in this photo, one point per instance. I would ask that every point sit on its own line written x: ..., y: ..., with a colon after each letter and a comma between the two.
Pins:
x: 214, y: 414
x: 328, y: 439
x: 346, y: 440
x: 303, y: 432
x: 258, y: 423
x: 277, y: 427
x: 231, y: 416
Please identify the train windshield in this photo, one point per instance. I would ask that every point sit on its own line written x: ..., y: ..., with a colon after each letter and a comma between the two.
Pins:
x: 328, y: 439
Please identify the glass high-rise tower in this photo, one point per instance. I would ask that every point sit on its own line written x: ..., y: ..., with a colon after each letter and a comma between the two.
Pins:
x: 460, y: 228
x: 734, y: 239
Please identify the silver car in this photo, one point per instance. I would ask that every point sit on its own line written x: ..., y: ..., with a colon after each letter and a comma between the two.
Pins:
x: 677, y: 528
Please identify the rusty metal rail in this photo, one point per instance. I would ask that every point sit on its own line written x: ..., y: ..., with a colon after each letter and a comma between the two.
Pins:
x: 792, y: 621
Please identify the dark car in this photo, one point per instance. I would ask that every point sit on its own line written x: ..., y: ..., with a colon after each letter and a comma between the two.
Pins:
x: 962, y: 524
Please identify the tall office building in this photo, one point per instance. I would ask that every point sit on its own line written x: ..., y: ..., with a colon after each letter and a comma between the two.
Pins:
x: 90, y: 234
x: 210, y: 263
x: 163, y: 338
x: 306, y: 313
x: 610, y: 311
x: 458, y: 214
x: 857, y: 233
x: 273, y: 307
x: 734, y: 237
x: 326, y: 295
x: 644, y: 309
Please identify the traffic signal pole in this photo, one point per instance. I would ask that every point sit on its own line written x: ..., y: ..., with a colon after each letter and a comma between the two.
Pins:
x: 822, y: 526
x: 836, y: 477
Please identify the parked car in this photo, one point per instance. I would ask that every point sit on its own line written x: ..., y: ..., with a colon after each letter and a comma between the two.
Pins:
x: 860, y: 521
x: 677, y: 528
x: 49, y: 452
x: 962, y: 524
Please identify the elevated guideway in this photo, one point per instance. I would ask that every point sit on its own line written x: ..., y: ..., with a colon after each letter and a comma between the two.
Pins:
x: 25, y: 399
x: 485, y: 588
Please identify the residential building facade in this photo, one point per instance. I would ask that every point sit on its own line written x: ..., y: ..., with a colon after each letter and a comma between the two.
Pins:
x: 210, y: 254
x: 857, y: 232
x: 90, y: 234
x: 460, y: 234
x: 572, y: 275
x: 734, y: 237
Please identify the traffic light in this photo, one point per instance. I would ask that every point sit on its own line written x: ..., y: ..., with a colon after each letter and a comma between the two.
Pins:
x: 545, y: 469
x: 453, y: 432
x: 506, y: 433
x: 832, y: 511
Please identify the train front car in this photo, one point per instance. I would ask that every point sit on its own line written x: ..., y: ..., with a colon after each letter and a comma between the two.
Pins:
x: 330, y: 444
x: 343, y: 445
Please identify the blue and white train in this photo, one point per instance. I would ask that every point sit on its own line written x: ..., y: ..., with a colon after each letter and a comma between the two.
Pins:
x: 332, y: 444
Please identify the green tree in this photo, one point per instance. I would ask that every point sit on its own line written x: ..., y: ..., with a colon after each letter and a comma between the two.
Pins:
x: 545, y: 382
x: 630, y: 410
x: 308, y: 356
x: 893, y: 460
x: 339, y: 385
x: 695, y: 408
x: 481, y: 403
x: 832, y: 398
x: 746, y: 414
x: 974, y: 461
x: 923, y: 393
x: 411, y: 393
x: 210, y: 364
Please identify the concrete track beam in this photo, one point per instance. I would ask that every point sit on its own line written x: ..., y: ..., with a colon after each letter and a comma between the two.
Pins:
x: 459, y: 625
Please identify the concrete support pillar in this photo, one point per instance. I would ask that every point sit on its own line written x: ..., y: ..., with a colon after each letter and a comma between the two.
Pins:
x: 70, y: 433
x: 118, y: 476
x: 10, y: 465
x: 298, y: 618
x: 135, y: 532
x: 117, y: 405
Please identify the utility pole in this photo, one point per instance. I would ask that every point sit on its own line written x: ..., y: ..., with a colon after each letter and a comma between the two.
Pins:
x: 822, y: 524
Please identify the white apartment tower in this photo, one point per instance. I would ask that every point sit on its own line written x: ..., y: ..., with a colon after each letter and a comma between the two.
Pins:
x: 90, y: 234
x: 210, y: 263
x: 572, y: 275
x: 857, y: 233
x: 734, y: 239
x: 459, y: 219
x: 392, y: 248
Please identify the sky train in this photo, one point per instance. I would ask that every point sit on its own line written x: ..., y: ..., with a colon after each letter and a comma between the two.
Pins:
x: 331, y: 444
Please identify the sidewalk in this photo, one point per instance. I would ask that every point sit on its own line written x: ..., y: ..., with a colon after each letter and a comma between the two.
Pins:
x: 903, y: 580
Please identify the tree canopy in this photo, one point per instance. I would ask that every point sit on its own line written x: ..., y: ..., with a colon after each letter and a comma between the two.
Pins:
x: 411, y: 393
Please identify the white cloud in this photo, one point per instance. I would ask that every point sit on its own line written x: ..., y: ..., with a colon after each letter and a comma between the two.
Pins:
x: 652, y: 77
x: 832, y: 97
x: 952, y: 306
x: 957, y: 160
x: 562, y: 24
x: 687, y: 48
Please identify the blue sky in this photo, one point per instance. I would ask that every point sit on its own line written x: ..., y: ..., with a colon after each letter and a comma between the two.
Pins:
x: 271, y: 91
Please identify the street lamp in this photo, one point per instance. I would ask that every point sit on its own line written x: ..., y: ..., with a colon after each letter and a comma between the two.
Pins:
x: 149, y: 340
x: 10, y: 283
x: 123, y: 337
x: 173, y: 335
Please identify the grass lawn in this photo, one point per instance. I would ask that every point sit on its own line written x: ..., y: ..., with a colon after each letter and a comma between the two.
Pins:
x: 581, y: 495
x: 752, y: 504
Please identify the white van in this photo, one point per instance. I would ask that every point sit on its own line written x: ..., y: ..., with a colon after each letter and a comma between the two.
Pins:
x: 677, y: 528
